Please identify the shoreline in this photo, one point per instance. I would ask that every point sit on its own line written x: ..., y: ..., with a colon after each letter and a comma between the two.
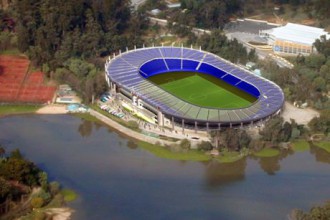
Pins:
x: 64, y: 213
x: 53, y: 109
x: 61, y: 109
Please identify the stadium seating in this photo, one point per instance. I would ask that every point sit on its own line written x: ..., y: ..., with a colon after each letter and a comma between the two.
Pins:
x: 206, y: 68
x: 189, y: 65
x: 232, y: 80
x: 174, y: 64
x: 154, y: 67
x: 248, y: 88
x: 130, y: 68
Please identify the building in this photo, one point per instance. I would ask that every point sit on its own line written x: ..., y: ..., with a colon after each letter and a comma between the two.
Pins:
x: 127, y: 73
x: 293, y: 38
x: 174, y: 5
x: 155, y: 12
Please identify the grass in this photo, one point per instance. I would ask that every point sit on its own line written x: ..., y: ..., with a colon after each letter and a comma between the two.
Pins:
x: 267, y: 152
x: 18, y: 109
x: 162, y: 152
x: 324, y: 145
x: 203, y: 90
x: 69, y: 195
x: 300, y: 146
x: 229, y: 157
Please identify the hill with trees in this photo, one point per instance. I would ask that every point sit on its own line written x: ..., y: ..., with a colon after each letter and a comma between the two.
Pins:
x: 69, y: 38
x: 24, y: 187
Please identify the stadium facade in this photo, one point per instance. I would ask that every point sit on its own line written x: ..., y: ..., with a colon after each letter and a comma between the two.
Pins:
x: 127, y: 75
x: 293, y: 38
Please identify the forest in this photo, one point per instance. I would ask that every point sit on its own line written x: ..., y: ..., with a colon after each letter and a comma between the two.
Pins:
x: 308, y: 81
x: 69, y: 38
x: 214, y: 14
x: 24, y: 186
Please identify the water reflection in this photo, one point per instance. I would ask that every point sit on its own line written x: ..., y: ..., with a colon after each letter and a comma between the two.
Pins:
x: 132, y: 145
x: 218, y: 174
x: 320, y: 154
x: 85, y: 128
x: 271, y: 165
x: 116, y: 182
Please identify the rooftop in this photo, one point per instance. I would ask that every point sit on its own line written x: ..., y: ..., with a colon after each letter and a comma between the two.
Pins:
x: 298, y: 33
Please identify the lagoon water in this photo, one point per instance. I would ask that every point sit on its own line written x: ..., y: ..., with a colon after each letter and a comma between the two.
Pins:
x: 115, y: 179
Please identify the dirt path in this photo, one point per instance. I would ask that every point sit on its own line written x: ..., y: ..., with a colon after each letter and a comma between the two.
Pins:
x: 301, y: 116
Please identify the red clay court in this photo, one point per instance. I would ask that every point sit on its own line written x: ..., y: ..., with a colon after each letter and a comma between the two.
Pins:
x: 18, y: 85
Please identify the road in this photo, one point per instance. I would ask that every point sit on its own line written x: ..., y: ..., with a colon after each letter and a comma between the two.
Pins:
x: 244, y: 38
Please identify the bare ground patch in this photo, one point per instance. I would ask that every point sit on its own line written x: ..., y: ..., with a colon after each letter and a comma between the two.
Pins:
x: 301, y: 116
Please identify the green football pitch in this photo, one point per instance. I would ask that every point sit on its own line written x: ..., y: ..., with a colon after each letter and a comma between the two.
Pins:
x: 203, y: 90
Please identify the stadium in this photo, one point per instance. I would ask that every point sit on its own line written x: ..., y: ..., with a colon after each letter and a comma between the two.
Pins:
x: 190, y: 88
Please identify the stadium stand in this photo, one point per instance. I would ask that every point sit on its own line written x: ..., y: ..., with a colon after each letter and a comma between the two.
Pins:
x: 131, y: 69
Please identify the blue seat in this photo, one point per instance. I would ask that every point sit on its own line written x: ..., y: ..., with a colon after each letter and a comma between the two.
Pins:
x: 232, y: 80
x: 208, y: 69
x: 154, y: 67
x: 174, y: 64
x: 189, y: 65
x: 249, y: 89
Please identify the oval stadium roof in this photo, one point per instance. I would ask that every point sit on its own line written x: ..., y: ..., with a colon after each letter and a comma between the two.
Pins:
x: 124, y: 71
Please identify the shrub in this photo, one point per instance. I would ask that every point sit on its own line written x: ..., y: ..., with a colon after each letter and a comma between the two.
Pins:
x: 44, y: 195
x: 185, y: 144
x: 40, y: 216
x: 37, y: 202
x: 205, y: 146
x: 175, y: 148
x: 54, y: 188
x: 68, y: 195
x: 133, y: 125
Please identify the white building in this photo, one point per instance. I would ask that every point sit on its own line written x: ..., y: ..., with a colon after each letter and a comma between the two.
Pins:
x: 293, y: 38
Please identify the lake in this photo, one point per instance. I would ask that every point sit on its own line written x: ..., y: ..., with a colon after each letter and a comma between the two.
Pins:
x: 115, y: 179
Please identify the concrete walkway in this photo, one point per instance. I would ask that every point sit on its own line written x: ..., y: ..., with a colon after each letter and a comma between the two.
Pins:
x: 127, y: 131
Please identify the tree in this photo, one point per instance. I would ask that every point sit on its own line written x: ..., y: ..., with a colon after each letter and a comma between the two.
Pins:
x: 18, y: 169
x: 319, y: 84
x: 323, y: 46
x: 92, y: 35
x: 205, y: 146
x: 16, y: 154
x: 185, y: 144
x: 43, y: 180
x: 2, y: 151
x: 322, y: 123
x: 232, y: 50
x: 317, y: 212
x: 276, y: 130
x: 54, y: 188
x: 133, y: 125
x: 4, y: 189
x: 80, y: 68
x: 208, y: 13
x: 37, y: 202
x: 315, y: 61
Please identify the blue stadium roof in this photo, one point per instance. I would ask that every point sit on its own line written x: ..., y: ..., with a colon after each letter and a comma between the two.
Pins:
x: 129, y: 72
